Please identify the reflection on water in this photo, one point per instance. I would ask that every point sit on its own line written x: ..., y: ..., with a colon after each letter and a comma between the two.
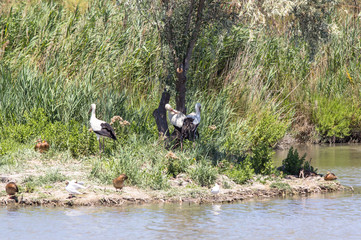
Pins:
x: 334, y: 215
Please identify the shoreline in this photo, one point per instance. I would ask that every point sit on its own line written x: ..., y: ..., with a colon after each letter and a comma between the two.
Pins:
x: 106, y: 195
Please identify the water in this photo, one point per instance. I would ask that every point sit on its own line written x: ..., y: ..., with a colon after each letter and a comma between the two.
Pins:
x: 333, y: 215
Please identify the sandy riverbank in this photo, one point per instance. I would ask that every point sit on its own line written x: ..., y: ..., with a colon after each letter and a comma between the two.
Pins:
x: 96, y: 195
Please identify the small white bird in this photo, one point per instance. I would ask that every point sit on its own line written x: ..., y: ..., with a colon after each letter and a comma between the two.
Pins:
x: 73, y: 186
x: 175, y: 117
x: 196, y: 115
x: 100, y: 127
x: 215, y: 189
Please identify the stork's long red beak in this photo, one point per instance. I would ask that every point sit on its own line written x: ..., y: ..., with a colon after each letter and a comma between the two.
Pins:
x: 90, y: 110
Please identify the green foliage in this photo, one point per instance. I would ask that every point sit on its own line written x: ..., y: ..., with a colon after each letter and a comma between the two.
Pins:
x: 51, y: 177
x: 257, y: 131
x: 242, y: 172
x: 307, y: 167
x: 293, y: 163
x: 203, y: 173
x: 176, y: 166
x: 144, y: 166
x: 250, y: 80
x: 261, y: 159
x: 6, y: 145
x: 285, y: 187
x: 333, y: 117
x: 31, y: 182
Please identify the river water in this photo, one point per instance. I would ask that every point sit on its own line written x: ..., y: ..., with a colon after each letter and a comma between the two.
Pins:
x: 332, y: 215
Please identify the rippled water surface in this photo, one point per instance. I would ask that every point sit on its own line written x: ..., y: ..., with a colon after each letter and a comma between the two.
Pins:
x: 319, y: 216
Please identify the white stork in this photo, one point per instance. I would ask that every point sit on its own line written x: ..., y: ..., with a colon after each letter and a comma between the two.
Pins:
x: 196, y: 115
x: 175, y: 117
x: 185, y: 125
x: 100, y: 127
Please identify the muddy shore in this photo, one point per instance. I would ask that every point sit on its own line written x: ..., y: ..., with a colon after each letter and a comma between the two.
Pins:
x: 179, y: 192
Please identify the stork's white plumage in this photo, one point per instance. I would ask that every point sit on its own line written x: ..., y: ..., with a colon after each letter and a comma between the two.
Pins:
x: 100, y: 127
x: 175, y: 117
x: 196, y: 115
x: 73, y: 186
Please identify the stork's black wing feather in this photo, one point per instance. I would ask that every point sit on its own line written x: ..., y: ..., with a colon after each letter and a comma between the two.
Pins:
x: 106, y: 131
x: 189, y: 130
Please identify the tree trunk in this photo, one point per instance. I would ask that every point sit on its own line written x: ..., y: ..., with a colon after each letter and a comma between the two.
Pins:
x: 160, y: 115
x: 181, y: 90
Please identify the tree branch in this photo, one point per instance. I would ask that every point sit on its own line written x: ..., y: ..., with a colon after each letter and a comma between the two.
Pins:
x: 189, y: 18
x: 195, y: 34
x: 169, y: 31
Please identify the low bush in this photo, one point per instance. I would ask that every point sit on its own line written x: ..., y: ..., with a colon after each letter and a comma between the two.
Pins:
x: 293, y: 163
x: 203, y: 173
x: 240, y: 173
x: 334, y: 118
x: 261, y: 160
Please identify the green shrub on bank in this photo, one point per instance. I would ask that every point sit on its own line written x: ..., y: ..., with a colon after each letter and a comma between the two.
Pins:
x: 61, y: 136
x: 333, y: 117
x: 293, y: 163
x: 203, y: 173
x: 261, y: 160
x: 240, y: 173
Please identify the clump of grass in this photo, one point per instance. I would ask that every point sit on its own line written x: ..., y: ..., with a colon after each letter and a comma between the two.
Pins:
x: 285, y: 187
x: 52, y: 177
x: 32, y: 182
x: 240, y: 172
x: 143, y: 164
x: 203, y: 173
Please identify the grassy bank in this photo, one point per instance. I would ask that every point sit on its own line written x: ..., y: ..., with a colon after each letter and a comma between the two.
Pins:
x: 256, y: 83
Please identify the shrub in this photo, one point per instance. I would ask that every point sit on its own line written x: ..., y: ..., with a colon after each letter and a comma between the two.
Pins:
x: 261, y: 159
x: 333, y: 117
x: 174, y: 167
x: 292, y: 164
x: 203, y: 173
x: 242, y: 172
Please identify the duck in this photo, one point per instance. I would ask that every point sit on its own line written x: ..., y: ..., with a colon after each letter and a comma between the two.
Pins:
x: 330, y: 176
x: 100, y: 127
x: 44, y: 147
x: 215, y: 189
x: 11, y: 189
x: 73, y: 186
x: 37, y: 145
x: 41, y: 145
x: 118, y: 182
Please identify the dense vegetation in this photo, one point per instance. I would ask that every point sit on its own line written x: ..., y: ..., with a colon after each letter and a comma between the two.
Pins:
x: 285, y: 67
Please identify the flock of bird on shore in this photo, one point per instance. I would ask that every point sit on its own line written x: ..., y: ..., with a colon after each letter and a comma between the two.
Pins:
x: 186, y: 125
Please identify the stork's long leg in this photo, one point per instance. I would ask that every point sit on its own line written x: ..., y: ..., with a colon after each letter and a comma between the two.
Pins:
x: 182, y: 143
x: 103, y: 144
